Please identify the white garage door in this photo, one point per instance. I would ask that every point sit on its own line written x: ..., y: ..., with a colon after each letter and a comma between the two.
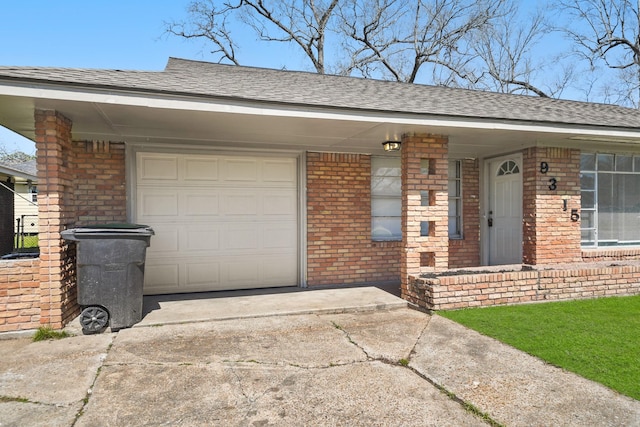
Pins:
x: 220, y: 222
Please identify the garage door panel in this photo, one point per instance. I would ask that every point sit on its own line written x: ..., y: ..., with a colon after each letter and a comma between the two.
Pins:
x: 240, y: 204
x: 160, y: 276
x: 241, y: 272
x: 200, y: 169
x: 157, y: 203
x: 200, y: 203
x: 277, y: 272
x: 202, y: 239
x: 165, y: 241
x: 157, y: 167
x: 202, y: 274
x: 241, y: 237
x: 240, y: 170
x: 279, y: 237
x: 220, y: 222
x: 280, y: 171
x: 280, y: 203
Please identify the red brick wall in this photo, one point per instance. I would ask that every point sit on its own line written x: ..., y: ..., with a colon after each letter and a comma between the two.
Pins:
x: 549, y: 234
x: 19, y: 294
x: 465, y: 252
x: 339, y: 245
x: 55, y: 211
x: 99, y: 182
x: 78, y: 183
x: 513, y: 287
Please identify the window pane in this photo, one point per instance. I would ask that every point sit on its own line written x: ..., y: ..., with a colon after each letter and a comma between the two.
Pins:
x: 383, y: 206
x: 385, y: 166
x: 605, y: 162
x: 636, y: 161
x: 588, y: 200
x: 587, y: 162
x: 454, y: 188
x: 384, y: 228
x: 424, y: 198
x: 454, y: 169
x: 586, y: 219
x: 588, y: 181
x: 455, y: 230
x: 588, y: 237
x: 624, y: 163
x: 386, y: 186
x: 424, y: 228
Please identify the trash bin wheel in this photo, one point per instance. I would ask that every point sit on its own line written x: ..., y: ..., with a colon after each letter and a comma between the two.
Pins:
x: 94, y: 319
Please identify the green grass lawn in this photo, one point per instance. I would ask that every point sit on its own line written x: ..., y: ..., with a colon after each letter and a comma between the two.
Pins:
x: 598, y: 339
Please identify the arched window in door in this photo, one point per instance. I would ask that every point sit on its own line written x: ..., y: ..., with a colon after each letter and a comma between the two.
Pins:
x: 508, y: 168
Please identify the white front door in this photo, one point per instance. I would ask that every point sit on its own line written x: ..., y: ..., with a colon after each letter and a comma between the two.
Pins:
x: 221, y: 221
x: 504, y: 217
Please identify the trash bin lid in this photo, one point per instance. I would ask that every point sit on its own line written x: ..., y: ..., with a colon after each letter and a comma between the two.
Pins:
x: 111, y: 229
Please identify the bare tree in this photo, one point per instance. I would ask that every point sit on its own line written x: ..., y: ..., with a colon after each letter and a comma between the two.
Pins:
x: 608, y: 32
x: 468, y: 43
x: 397, y: 39
x: 302, y: 22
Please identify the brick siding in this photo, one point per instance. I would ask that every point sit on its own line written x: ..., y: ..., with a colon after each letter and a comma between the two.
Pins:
x: 339, y: 245
x: 19, y: 294
x: 549, y: 234
x: 425, y: 169
x: 80, y: 182
x: 513, y: 287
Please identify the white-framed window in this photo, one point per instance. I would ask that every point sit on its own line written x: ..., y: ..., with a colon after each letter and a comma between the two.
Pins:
x: 33, y: 193
x: 386, y: 203
x: 455, y: 199
x: 610, y: 199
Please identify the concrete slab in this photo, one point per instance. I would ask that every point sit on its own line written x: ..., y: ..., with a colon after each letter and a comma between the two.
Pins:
x: 57, y: 372
x: 303, y: 340
x: 512, y: 387
x: 387, y: 335
x: 18, y: 414
x: 173, y: 309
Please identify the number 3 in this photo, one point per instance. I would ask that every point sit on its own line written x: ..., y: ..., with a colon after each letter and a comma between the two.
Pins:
x: 553, y: 184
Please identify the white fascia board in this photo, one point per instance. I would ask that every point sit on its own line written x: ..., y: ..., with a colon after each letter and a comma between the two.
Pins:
x: 262, y: 108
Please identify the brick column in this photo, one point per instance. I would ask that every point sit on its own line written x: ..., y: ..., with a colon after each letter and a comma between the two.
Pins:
x: 549, y: 234
x: 55, y: 210
x: 425, y: 232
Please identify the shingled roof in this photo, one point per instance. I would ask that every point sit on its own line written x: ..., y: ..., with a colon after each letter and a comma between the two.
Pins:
x: 300, y: 89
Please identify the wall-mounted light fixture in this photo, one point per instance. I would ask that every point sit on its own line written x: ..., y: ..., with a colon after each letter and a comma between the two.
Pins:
x: 391, y: 145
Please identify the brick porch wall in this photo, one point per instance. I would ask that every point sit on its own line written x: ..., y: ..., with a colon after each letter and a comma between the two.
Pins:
x: 549, y: 234
x: 339, y: 245
x: 513, y: 287
x: 19, y: 294
x: 465, y: 252
x: 79, y: 182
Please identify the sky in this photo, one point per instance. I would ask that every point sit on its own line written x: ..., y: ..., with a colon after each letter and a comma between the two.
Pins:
x: 111, y: 34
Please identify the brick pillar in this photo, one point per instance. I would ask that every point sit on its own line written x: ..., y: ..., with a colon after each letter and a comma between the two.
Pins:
x: 549, y: 234
x: 55, y: 210
x: 425, y: 231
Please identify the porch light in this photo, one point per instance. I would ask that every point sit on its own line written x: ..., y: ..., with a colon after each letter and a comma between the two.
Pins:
x: 391, y: 145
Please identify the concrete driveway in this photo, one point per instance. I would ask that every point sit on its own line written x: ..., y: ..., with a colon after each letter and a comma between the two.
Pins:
x: 383, y: 367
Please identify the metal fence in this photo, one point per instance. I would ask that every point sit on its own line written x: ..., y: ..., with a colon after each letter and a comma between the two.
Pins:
x: 26, y: 235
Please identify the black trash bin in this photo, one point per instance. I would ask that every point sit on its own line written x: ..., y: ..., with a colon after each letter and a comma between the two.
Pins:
x: 110, y: 273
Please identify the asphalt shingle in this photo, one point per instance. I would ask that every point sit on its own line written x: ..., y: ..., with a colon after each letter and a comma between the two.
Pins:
x: 302, y: 89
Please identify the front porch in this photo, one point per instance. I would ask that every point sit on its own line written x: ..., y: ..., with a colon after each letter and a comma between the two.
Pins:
x: 522, y: 283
